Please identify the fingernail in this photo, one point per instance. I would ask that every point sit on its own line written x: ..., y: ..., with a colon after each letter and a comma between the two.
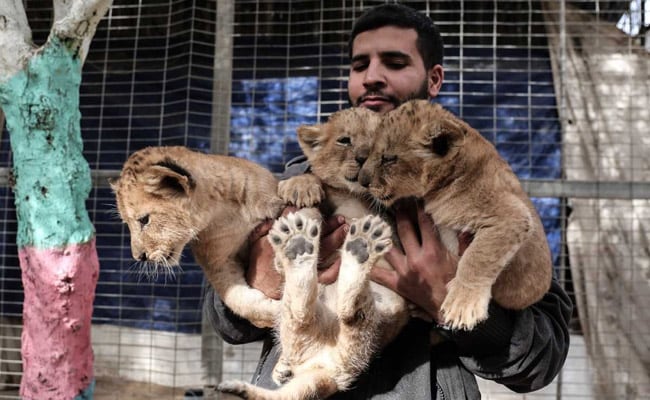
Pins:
x: 340, y: 219
x: 346, y: 228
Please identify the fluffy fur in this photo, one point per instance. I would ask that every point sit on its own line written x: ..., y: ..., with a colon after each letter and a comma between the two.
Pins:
x: 171, y: 196
x: 329, y: 334
x: 426, y: 152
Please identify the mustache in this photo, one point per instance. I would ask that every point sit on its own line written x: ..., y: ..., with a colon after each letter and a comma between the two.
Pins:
x: 375, y: 93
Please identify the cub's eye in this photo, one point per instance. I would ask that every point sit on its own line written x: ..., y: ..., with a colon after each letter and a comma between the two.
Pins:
x: 344, y: 141
x: 388, y: 159
x: 144, y: 220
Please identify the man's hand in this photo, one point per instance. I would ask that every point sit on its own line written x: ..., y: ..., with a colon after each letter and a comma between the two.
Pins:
x: 262, y: 275
x: 333, y: 234
x: 424, y: 268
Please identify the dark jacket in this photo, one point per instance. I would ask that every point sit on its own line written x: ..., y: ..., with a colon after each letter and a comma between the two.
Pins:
x: 523, y: 350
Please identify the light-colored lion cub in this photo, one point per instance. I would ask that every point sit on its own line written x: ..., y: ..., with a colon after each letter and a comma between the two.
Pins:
x: 425, y: 151
x: 172, y: 196
x: 329, y: 334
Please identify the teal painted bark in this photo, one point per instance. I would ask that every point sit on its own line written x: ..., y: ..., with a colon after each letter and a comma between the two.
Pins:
x: 87, y: 394
x: 52, y: 179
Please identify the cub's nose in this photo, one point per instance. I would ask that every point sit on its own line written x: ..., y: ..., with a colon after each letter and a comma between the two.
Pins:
x: 364, y: 178
x: 361, y: 155
x: 142, y: 257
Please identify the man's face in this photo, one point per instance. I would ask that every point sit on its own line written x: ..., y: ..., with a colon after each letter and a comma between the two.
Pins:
x: 386, y: 70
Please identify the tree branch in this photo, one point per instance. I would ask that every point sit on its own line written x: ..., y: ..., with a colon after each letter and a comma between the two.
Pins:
x: 15, y: 38
x: 61, y: 9
x: 77, y: 22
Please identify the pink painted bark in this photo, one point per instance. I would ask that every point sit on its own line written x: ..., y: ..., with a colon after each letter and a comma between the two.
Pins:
x: 59, y: 293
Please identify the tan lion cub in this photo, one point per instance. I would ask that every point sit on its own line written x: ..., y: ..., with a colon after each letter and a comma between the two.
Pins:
x: 425, y: 151
x: 172, y: 196
x: 329, y: 333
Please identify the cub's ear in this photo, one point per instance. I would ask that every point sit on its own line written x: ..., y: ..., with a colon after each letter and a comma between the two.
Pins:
x: 168, y: 179
x: 114, y: 183
x: 447, y: 135
x: 126, y: 175
x: 310, y: 138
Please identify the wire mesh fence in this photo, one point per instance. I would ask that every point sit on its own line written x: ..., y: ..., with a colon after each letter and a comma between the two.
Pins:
x: 560, y: 87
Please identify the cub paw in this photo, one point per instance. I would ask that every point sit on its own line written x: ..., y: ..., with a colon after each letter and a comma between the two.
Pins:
x: 301, y: 191
x: 282, y: 372
x: 464, y: 306
x: 295, y: 238
x: 368, y: 238
x: 235, y: 388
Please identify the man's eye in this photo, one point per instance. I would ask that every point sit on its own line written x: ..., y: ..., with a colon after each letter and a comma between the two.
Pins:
x: 395, y: 65
x: 344, y: 141
x: 359, y: 67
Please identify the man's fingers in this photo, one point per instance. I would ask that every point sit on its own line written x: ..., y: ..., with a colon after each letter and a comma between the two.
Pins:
x: 263, y: 229
x: 332, y: 242
x: 384, y: 277
x: 288, y: 210
x: 464, y: 240
x: 406, y: 231
x: 396, y: 258
x: 329, y: 275
x: 428, y: 229
x: 331, y: 224
x: 260, y: 231
x: 260, y: 273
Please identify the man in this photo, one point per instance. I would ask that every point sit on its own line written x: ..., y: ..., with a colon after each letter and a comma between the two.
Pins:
x: 396, y: 55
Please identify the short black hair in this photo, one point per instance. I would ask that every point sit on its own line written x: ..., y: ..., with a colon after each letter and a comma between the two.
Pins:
x: 429, y: 42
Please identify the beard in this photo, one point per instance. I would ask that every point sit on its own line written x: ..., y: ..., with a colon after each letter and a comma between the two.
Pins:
x: 422, y: 93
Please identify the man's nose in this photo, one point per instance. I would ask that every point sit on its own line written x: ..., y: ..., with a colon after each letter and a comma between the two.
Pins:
x: 374, y: 76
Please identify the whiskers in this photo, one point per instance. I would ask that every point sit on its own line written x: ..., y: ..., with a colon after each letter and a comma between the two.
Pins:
x: 112, y: 211
x: 152, y: 271
x: 194, y: 234
x: 375, y: 206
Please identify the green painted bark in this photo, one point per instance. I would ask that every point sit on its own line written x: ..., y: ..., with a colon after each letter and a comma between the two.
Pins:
x: 52, y: 179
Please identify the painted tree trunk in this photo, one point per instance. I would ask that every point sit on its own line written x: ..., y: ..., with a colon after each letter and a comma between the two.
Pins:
x: 56, y: 241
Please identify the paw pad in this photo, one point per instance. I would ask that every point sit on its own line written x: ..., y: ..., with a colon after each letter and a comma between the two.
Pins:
x: 294, y: 236
x: 368, y: 238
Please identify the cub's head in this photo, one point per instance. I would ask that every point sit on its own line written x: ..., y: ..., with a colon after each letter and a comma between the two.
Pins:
x: 415, y: 151
x: 337, y: 149
x: 153, y: 198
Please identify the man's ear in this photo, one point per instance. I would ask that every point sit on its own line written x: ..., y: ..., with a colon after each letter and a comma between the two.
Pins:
x: 310, y: 138
x: 168, y: 179
x: 435, y: 77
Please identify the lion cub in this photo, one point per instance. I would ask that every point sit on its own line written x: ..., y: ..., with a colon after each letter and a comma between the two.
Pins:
x: 425, y: 151
x: 329, y: 334
x: 172, y: 196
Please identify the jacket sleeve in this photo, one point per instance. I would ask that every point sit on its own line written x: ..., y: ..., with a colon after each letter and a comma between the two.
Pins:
x: 232, y: 328
x: 523, y: 350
